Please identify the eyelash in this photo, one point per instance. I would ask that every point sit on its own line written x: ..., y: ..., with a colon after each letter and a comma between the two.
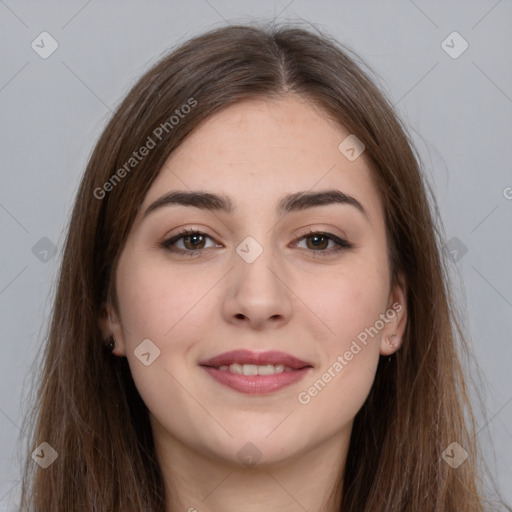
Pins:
x: 342, y: 244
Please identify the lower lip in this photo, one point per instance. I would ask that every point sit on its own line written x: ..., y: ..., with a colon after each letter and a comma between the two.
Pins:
x: 256, y: 384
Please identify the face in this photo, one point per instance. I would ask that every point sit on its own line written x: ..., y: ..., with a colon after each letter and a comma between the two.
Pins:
x: 301, y: 285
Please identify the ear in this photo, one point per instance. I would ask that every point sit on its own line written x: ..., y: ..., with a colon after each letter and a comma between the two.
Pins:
x: 396, y: 314
x: 110, y: 326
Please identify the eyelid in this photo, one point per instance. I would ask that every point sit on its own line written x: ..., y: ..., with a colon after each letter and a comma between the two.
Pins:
x: 168, y: 242
x: 341, y: 242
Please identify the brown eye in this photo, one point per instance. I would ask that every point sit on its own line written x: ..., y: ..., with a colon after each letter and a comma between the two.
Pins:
x: 318, y: 242
x: 193, y: 242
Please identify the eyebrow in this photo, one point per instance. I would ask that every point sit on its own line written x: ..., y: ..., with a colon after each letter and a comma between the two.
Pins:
x: 220, y: 202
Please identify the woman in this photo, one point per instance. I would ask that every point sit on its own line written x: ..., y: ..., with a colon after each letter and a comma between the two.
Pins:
x: 252, y: 309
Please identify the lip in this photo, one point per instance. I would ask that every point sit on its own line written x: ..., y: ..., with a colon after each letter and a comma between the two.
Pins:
x: 260, y: 358
x: 256, y: 384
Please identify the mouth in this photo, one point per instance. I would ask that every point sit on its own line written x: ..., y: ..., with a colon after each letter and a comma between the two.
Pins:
x: 256, y: 372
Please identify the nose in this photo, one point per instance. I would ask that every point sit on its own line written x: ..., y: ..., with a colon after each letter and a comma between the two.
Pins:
x: 257, y: 293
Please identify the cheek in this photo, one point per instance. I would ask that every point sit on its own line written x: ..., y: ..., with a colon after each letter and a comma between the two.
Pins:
x: 349, y: 300
x: 343, y: 381
x: 154, y: 301
x: 350, y: 304
x: 155, y: 304
x: 171, y: 308
x: 338, y: 393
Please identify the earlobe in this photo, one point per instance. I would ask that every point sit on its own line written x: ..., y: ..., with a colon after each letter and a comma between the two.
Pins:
x: 110, y: 328
x: 110, y: 344
x: 393, y: 341
x: 393, y: 332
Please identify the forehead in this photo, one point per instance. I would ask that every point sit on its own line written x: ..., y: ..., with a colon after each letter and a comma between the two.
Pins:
x: 257, y: 151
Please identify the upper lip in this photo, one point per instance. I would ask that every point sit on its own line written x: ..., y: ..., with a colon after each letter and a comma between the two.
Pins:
x: 258, y: 358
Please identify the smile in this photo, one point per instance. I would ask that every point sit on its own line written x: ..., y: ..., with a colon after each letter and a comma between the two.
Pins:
x: 256, y: 383
x: 254, y: 369
x: 256, y: 373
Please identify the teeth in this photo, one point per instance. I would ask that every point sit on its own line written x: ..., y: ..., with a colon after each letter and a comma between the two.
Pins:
x: 254, y: 369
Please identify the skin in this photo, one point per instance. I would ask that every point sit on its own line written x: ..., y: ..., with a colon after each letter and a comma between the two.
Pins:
x: 289, y: 299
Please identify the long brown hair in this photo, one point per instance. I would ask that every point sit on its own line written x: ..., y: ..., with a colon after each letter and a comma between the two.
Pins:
x: 87, y: 406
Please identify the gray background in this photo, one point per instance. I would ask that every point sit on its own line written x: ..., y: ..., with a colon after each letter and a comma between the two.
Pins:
x: 459, y: 112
